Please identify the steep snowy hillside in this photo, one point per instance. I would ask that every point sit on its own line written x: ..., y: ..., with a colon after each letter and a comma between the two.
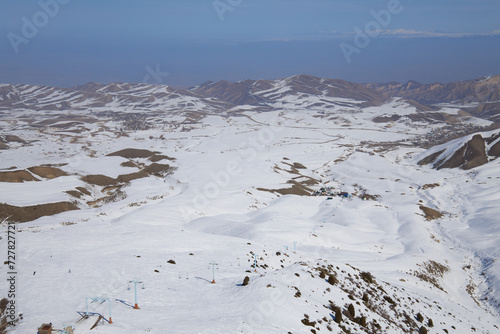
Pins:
x: 467, y: 152
x: 325, y: 210
x: 480, y: 97
x: 326, y: 91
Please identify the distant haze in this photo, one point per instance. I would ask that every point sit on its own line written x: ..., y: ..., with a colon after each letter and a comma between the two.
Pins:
x: 183, y: 43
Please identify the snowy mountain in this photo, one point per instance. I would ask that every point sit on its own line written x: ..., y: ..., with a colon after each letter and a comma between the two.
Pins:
x: 486, y: 89
x: 480, y: 97
x: 140, y: 97
x: 467, y: 152
x: 310, y: 187
x: 299, y: 87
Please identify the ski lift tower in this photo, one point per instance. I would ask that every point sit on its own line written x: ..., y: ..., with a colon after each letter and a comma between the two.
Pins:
x: 98, y: 300
x: 213, y: 264
x: 136, y: 306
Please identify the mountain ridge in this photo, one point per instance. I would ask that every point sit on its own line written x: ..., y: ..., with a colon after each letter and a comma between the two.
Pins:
x: 479, y: 97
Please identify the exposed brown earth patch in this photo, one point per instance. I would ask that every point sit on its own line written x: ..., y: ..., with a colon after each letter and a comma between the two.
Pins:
x: 430, y: 214
x: 17, y: 176
x: 83, y: 190
x: 47, y: 172
x: 111, y: 189
x: 159, y: 157
x: 300, y: 183
x: 309, y: 181
x: 132, y: 176
x: 159, y: 169
x: 28, y: 213
x: 299, y: 165
x: 154, y: 169
x: 431, y: 272
x: 430, y: 186
x: 99, y: 180
x: 128, y: 164
x: 74, y: 193
x: 132, y: 153
x: 296, y: 189
x: 386, y: 119
x: 11, y: 138
x: 112, y: 197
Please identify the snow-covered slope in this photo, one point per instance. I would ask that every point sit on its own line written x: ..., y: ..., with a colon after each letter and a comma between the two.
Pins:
x: 466, y: 152
x: 127, y: 97
x: 408, y: 246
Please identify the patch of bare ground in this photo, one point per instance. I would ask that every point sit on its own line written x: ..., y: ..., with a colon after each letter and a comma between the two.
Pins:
x: 193, y: 117
x: 132, y: 176
x: 128, y: 164
x: 132, y: 153
x: 17, y: 176
x: 386, y: 119
x: 99, y: 180
x: 112, y: 197
x: 430, y: 214
x: 159, y: 157
x: 154, y: 169
x: 28, y: 213
x: 47, y: 172
x: 296, y: 189
x: 159, y: 169
x: 299, y: 165
x: 309, y: 181
x: 294, y: 167
x: 300, y: 183
x: 11, y: 138
x: 74, y: 193
x: 471, y: 290
x: 111, y: 189
x: 83, y: 190
x: 430, y: 186
x: 430, y: 272
x: 368, y: 197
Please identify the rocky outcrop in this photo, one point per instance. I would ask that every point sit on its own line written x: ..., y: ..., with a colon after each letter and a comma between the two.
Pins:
x: 465, y: 153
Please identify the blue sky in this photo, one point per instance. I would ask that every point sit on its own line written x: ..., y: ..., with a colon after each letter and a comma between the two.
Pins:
x: 71, y: 42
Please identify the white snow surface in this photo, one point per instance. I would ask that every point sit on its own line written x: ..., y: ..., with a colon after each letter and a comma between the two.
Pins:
x: 213, y: 209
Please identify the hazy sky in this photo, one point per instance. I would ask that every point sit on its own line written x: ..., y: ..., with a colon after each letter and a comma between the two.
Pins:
x: 187, y: 42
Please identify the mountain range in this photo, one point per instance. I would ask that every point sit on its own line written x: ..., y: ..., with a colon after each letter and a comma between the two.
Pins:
x: 478, y: 97
x: 295, y: 205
